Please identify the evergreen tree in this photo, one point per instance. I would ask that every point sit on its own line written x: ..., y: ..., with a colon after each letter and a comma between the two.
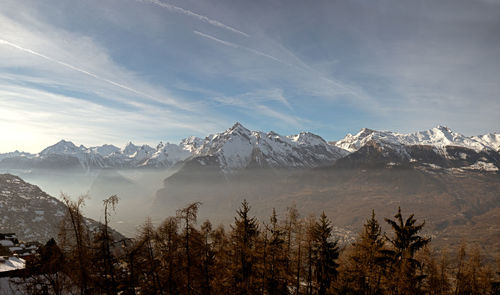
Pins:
x: 244, y: 236
x: 400, y: 258
x: 326, y: 252
x: 276, y: 279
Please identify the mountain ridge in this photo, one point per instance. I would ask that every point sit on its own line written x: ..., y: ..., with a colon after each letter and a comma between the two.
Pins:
x: 30, y: 212
x: 238, y: 147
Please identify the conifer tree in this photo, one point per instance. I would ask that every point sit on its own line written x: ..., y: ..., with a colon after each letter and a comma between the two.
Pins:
x: 104, y: 258
x: 222, y: 261
x: 189, y: 215
x: 75, y: 239
x: 405, y: 243
x: 309, y: 249
x: 326, y: 252
x: 294, y: 233
x: 148, y: 262
x: 167, y: 243
x: 276, y: 278
x: 244, y: 235
x: 472, y: 276
x: 362, y: 270
x: 436, y: 273
x: 207, y: 258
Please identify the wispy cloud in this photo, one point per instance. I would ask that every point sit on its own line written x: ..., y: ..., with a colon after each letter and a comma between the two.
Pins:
x: 304, y: 76
x: 257, y: 102
x: 69, y: 66
x: 280, y: 116
x: 236, y: 46
x: 200, y: 17
x: 32, y: 118
x: 58, y: 84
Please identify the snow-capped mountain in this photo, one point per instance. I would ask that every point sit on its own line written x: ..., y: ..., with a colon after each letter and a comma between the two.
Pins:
x: 436, y: 148
x: 238, y: 147
x: 439, y: 137
x: 66, y: 154
x: 491, y: 140
x: 15, y: 154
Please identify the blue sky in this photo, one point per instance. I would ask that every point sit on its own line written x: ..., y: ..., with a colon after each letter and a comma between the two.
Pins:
x: 111, y: 71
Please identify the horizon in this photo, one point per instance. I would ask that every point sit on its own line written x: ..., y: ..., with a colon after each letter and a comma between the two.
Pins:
x: 153, y: 144
x: 157, y: 70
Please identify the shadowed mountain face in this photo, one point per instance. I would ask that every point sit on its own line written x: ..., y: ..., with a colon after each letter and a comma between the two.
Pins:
x: 375, y: 154
x: 135, y: 189
x: 31, y: 213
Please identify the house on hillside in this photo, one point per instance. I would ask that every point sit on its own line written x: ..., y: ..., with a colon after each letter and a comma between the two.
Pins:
x: 13, y: 254
x: 10, y: 242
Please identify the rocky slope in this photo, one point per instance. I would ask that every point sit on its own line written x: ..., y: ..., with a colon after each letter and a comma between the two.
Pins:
x: 29, y: 212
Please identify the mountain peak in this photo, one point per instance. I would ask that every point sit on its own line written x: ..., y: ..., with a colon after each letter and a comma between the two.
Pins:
x: 236, y: 125
x: 443, y: 128
x: 239, y: 128
x: 61, y: 147
x: 130, y: 148
x: 65, y: 142
x: 365, y: 132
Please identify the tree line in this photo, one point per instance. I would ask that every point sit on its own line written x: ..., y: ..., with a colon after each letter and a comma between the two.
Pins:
x: 288, y: 255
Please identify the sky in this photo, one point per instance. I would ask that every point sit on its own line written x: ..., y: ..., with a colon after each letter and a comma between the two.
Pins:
x: 114, y: 71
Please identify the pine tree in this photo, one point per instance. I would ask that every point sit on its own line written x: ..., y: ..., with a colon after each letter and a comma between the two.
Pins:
x: 405, y: 243
x: 326, y: 252
x: 244, y: 235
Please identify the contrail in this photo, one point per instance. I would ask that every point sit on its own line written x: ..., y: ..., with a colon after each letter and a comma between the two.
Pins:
x: 233, y: 45
x: 200, y: 17
x: 5, y: 42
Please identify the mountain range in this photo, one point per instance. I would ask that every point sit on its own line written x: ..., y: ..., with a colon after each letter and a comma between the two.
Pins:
x: 447, y: 179
x: 238, y: 148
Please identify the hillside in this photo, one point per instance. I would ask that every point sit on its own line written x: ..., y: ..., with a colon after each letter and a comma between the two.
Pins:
x: 29, y: 212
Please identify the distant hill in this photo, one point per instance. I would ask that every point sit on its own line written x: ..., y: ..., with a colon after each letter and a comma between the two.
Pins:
x: 29, y: 212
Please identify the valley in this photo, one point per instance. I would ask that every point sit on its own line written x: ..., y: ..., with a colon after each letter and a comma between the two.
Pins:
x: 443, y: 177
